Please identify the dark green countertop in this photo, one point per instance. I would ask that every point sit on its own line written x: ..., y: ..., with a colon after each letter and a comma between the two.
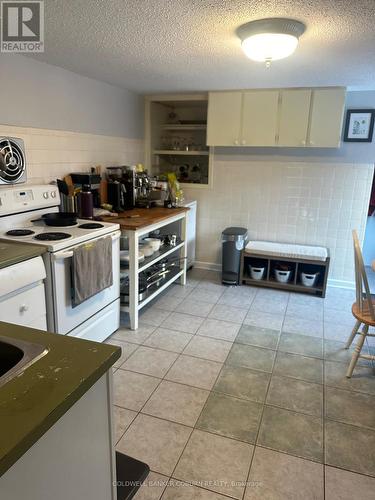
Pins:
x: 33, y: 402
x: 12, y: 253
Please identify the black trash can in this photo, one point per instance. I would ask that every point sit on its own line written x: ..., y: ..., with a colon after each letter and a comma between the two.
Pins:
x: 234, y: 240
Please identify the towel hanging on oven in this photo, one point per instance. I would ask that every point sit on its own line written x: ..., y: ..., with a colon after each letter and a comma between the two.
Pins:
x: 91, y: 269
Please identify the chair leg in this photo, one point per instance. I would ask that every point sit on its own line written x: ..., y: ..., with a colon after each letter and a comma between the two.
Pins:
x: 353, y: 334
x: 357, y: 351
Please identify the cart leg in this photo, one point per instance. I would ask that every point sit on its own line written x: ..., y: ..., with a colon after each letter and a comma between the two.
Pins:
x: 184, y: 249
x: 133, y: 279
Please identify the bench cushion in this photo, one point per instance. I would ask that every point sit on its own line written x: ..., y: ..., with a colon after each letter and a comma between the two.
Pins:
x: 287, y: 250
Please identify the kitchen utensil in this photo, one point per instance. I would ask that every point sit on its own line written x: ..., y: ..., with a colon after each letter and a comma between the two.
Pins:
x: 124, y: 256
x: 69, y: 182
x: 154, y: 242
x: 147, y: 250
x: 143, y: 287
x: 63, y: 187
x: 58, y: 219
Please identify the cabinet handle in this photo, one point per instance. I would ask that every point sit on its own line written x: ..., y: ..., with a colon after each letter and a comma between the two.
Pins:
x: 236, y: 142
x: 24, y: 308
x: 243, y: 142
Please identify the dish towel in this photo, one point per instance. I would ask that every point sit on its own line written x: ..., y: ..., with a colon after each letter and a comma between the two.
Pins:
x: 91, y: 269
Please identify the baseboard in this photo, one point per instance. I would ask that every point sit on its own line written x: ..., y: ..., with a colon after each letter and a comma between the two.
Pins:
x: 207, y: 265
x: 341, y: 284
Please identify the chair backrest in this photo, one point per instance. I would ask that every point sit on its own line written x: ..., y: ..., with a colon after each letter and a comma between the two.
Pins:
x: 362, y: 289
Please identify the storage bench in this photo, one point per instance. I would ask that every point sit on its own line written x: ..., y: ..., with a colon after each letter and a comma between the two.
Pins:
x: 295, y: 265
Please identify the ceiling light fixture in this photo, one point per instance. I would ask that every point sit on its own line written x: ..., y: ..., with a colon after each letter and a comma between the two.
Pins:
x: 267, y: 40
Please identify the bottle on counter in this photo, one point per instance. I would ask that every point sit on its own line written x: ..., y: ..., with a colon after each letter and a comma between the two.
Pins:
x: 86, y: 203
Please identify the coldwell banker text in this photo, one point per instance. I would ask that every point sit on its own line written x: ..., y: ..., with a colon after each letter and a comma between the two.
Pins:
x: 22, y: 26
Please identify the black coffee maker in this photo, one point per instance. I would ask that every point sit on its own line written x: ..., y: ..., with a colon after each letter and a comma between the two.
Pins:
x: 91, y: 181
x: 121, y: 188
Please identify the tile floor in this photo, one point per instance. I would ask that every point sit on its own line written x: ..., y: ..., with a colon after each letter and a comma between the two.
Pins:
x: 241, y: 393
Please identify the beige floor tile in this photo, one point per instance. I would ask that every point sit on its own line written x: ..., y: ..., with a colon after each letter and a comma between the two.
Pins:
x: 349, y: 447
x: 152, y: 487
x: 176, y: 402
x: 122, y: 419
x: 167, y: 302
x: 170, y: 340
x: 345, y: 485
x: 293, y: 433
x: 183, y: 322
x: 153, y: 316
x: 216, y: 462
x: 134, y: 336
x: 217, y: 329
x: 350, y: 407
x: 150, y: 361
x: 206, y: 295
x: 156, y: 442
x: 208, y: 348
x: 231, y: 417
x: 277, y: 476
x: 194, y: 307
x: 178, y: 490
x: 194, y: 371
x: 132, y: 390
x: 127, y: 350
x: 228, y: 313
x: 264, y: 320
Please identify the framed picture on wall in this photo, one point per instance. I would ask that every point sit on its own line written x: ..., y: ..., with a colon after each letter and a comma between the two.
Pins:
x: 359, y: 125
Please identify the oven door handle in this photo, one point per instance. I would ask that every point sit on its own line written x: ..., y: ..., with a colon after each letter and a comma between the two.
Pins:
x: 69, y: 253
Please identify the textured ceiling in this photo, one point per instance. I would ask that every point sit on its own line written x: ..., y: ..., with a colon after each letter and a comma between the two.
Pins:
x: 182, y: 45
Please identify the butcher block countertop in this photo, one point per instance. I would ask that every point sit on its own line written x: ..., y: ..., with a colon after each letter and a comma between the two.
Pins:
x: 139, y: 218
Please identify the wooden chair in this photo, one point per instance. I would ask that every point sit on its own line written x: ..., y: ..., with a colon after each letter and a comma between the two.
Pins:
x: 363, y: 309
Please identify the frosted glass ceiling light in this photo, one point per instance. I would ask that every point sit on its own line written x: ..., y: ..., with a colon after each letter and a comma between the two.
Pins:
x: 267, y: 40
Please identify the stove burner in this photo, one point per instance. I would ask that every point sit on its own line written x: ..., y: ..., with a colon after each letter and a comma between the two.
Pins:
x: 51, y: 236
x: 91, y: 225
x: 20, y: 232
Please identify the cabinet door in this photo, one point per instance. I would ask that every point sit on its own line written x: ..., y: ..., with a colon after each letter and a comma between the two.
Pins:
x: 326, y: 118
x: 294, y: 117
x: 224, y: 118
x: 259, y: 118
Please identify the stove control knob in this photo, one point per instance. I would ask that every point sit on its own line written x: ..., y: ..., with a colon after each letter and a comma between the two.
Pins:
x: 53, y: 194
x: 45, y: 195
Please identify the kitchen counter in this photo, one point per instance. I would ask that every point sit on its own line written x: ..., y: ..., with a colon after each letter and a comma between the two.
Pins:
x: 12, y: 253
x: 140, y: 218
x: 33, y: 402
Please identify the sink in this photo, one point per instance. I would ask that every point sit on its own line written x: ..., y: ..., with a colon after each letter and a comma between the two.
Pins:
x: 17, y: 355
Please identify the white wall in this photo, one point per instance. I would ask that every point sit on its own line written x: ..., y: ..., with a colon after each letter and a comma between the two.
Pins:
x: 69, y: 123
x: 297, y: 195
x: 296, y: 202
x: 39, y: 95
x: 55, y: 153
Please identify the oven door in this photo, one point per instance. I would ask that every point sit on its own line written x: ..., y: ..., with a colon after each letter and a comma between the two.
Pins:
x: 65, y: 317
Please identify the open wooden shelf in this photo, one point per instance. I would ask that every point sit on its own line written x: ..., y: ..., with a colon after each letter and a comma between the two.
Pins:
x: 297, y: 266
x: 180, y: 126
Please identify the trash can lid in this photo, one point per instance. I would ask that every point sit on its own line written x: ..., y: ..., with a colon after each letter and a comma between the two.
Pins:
x: 235, y: 231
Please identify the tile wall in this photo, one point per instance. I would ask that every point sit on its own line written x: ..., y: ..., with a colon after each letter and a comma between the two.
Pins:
x: 296, y: 202
x: 55, y: 153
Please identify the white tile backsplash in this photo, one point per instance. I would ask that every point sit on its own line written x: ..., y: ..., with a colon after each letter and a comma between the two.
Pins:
x: 55, y: 153
x: 297, y: 202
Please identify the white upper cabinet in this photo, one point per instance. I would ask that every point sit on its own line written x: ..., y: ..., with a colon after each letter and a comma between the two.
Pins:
x: 294, y: 117
x: 327, y: 111
x: 259, y: 118
x: 283, y: 118
x: 224, y: 118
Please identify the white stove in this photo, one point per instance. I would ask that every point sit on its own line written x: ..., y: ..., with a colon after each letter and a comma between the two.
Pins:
x: 20, y: 211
